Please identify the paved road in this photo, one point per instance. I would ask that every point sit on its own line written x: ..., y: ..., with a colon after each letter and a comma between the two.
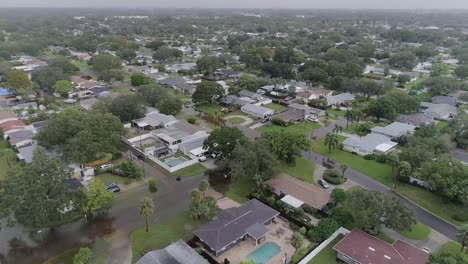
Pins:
x: 368, y: 183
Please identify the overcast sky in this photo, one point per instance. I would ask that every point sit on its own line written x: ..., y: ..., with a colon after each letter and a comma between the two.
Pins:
x: 372, y: 4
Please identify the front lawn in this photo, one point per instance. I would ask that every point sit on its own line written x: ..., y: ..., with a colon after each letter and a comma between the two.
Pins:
x: 236, y: 120
x: 192, y: 170
x: 431, y: 202
x: 239, y: 189
x: 210, y: 109
x: 276, y: 107
x: 335, y: 112
x: 418, y: 231
x: 376, y: 170
x: 305, y: 128
x: 301, y: 169
x: 328, y: 254
x: 161, y: 235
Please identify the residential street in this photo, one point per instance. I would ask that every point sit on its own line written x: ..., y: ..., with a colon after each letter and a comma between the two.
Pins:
x: 368, y: 183
x: 172, y: 198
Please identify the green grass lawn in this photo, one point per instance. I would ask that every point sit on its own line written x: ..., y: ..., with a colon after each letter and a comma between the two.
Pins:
x: 4, y: 168
x: 276, y: 107
x: 418, y: 231
x: 236, y: 120
x: 81, y: 63
x: 431, y: 202
x: 453, y: 248
x: 335, y: 112
x: 99, y: 248
x: 240, y: 188
x: 328, y: 254
x: 442, y: 125
x: 161, y: 235
x: 209, y: 109
x: 302, y: 169
x: 377, y: 171
x: 108, y: 178
x: 192, y: 170
x: 304, y: 128
x: 122, y: 90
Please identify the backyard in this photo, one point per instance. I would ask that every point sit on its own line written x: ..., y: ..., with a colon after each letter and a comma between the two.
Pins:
x: 302, y: 169
x: 210, y: 109
x: 161, y: 235
x: 276, y: 107
x: 328, y: 254
x: 107, y: 178
x: 304, y: 128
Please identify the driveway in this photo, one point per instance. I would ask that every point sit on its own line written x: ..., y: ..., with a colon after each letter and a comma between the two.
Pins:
x: 434, y: 241
x: 323, y: 131
x: 424, y: 216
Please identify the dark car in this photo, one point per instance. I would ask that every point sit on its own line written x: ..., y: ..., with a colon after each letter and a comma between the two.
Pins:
x: 115, y: 189
x: 112, y: 185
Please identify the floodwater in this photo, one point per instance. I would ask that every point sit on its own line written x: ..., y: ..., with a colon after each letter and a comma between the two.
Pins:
x: 17, y: 248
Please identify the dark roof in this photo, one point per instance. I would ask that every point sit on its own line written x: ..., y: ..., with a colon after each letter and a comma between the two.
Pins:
x: 416, y: 119
x: 176, y: 253
x: 99, y: 89
x: 440, y: 99
x: 257, y: 230
x: 74, y: 184
x: 177, y: 82
x: 233, y: 223
x: 367, y: 249
x: 290, y: 115
x: 20, y: 135
x: 39, y: 125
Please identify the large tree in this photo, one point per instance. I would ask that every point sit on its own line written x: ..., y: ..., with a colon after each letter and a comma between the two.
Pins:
x: 127, y: 107
x: 460, y: 131
x: 63, y: 87
x: 202, y: 206
x: 369, y: 87
x: 139, y: 78
x: 61, y: 62
x: 82, y: 136
x: 208, y: 92
x: 208, y: 65
x: 441, y: 85
x: 403, y: 102
x: 462, y: 72
x: 18, y: 81
x: 35, y: 194
x: 382, y: 108
x: 374, y: 209
x: 286, y: 145
x: 47, y: 77
x: 405, y: 59
x: 95, y: 198
x: 169, y: 103
x: 222, y: 141
x: 105, y: 62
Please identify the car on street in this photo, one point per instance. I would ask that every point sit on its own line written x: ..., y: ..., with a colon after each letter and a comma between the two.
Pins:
x: 324, y: 184
x: 113, y: 187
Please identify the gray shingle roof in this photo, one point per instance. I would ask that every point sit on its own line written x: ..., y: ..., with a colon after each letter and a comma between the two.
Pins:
x: 394, y: 130
x: 18, y: 136
x: 176, y: 253
x: 368, y: 143
x: 233, y: 223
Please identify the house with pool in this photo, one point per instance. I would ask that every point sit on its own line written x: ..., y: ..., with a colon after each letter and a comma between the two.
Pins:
x: 253, y: 231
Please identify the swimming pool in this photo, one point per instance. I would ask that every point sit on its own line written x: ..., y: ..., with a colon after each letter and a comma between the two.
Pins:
x: 264, y: 253
x: 174, y: 161
x: 4, y: 91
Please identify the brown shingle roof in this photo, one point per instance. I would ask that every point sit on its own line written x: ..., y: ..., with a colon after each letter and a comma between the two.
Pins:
x: 366, y: 249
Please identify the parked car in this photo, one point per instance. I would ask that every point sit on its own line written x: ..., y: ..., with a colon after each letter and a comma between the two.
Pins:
x: 313, y: 119
x: 113, y: 187
x: 106, y: 166
x: 201, y: 158
x: 324, y: 184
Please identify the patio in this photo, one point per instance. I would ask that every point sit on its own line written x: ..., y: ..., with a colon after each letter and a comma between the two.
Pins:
x: 279, y: 233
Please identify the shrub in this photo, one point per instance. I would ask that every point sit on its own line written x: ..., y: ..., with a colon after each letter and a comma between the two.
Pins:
x: 130, y: 169
x: 300, y: 254
x: 381, y: 158
x: 279, y: 122
x: 302, y: 230
x: 461, y: 217
x: 338, y: 195
x: 333, y: 177
x: 152, y: 186
x: 192, y: 120
x: 369, y: 157
x: 342, y: 216
x: 271, y: 200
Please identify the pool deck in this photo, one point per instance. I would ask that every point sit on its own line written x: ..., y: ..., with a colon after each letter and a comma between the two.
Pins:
x: 280, y: 233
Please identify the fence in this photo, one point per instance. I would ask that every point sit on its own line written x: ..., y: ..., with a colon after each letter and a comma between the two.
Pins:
x: 172, y: 169
x: 311, y: 255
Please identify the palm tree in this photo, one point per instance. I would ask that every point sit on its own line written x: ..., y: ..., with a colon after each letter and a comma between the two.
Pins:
x: 146, y: 209
x: 8, y: 153
x: 393, y: 161
x: 203, y: 186
x: 349, y: 115
x: 331, y: 141
x: 463, y: 237
x: 337, y: 129
x: 343, y: 167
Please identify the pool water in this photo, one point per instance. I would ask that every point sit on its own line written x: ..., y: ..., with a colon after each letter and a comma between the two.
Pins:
x: 4, y: 91
x: 173, y: 161
x: 264, y: 253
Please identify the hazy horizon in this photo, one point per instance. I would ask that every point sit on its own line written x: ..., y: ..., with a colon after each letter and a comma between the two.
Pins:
x: 258, y: 4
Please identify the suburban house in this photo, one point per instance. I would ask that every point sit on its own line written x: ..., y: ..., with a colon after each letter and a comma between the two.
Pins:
x: 175, y: 68
x: 297, y: 192
x: 358, y: 247
x: 416, y: 119
x: 178, y: 83
x: 236, y: 101
x: 297, y: 112
x: 154, y: 120
x: 176, y: 253
x: 369, y: 144
x: 444, y: 99
x: 228, y: 74
x: 395, y: 130
x: 340, y: 99
x: 439, y: 111
x: 257, y: 111
x: 85, y: 83
x: 194, y: 148
x: 235, y: 225
x: 21, y: 138
x: 251, y: 95
x: 177, y: 133
x: 12, y: 126
x: 6, y: 116
x: 314, y: 93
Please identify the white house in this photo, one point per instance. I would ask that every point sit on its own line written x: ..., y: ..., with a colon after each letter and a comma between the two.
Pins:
x: 370, y: 144
x: 394, y: 130
x: 257, y: 111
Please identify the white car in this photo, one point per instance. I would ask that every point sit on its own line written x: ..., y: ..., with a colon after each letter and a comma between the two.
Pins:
x: 106, y: 166
x: 201, y: 158
x: 312, y: 119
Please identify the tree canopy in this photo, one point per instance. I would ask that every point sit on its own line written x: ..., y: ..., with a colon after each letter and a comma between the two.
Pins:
x: 207, y: 92
x: 222, y: 141
x: 286, y: 145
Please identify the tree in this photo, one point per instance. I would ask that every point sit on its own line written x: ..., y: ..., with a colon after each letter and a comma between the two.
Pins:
x: 439, y: 69
x: 105, y: 62
x: 369, y: 87
x: 349, y: 115
x: 47, y: 77
x: 139, y: 78
x: 405, y: 170
x: 207, y: 92
x: 460, y: 131
x: 61, y: 62
x: 165, y: 53
x: 82, y: 136
x: 34, y: 195
x: 382, y: 108
x: 344, y: 168
x: 222, y: 141
x: 8, y: 154
x: 447, y: 258
x: 315, y: 75
x: 204, y: 186
x: 297, y: 240
x: 425, y: 51
x: 83, y: 256
x: 403, y: 102
x: 338, y: 195
x: 208, y: 65
x: 169, y: 104
x: 63, y: 87
x: 201, y: 206
x: 155, y: 44
x: 372, y: 209
x: 151, y: 93
x: 405, y: 59
x: 463, y: 237
x: 393, y: 161
x: 18, y: 81
x: 441, y: 85
x: 286, y: 145
x: 254, y: 160
x: 146, y: 210
x: 127, y: 107
x: 248, y: 82
x: 111, y: 75
x: 324, y: 230
x: 130, y: 169
x: 331, y: 141
x: 96, y: 198
x: 462, y: 72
